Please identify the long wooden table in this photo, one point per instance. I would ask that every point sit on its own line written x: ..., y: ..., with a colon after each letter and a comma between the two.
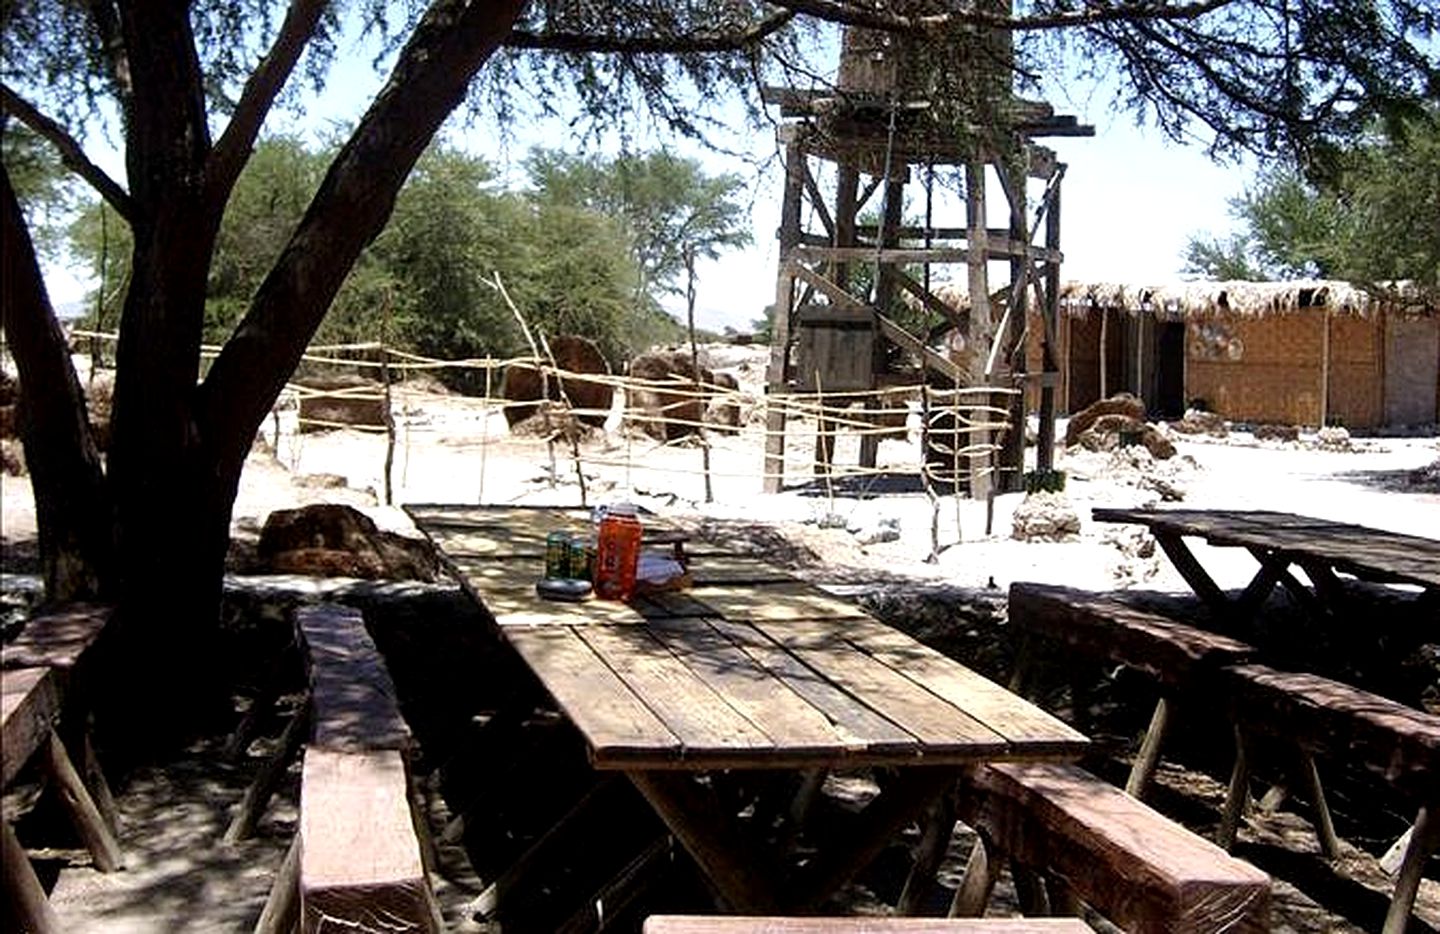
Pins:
x: 747, y: 669
x: 1279, y: 540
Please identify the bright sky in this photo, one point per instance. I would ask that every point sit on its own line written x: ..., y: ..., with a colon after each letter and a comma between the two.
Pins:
x: 1131, y: 198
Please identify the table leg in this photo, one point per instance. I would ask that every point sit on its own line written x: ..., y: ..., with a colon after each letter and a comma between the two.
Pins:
x: 1197, y: 577
x: 1423, y: 841
x: 902, y: 800
x: 1272, y: 566
x: 740, y: 876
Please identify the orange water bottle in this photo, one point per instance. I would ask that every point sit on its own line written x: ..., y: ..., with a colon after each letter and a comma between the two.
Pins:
x: 617, y: 553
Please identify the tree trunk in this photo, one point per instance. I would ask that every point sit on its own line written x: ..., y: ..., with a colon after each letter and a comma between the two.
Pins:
x: 72, y: 505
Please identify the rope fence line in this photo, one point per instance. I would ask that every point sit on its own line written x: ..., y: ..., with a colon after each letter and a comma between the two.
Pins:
x: 960, y: 429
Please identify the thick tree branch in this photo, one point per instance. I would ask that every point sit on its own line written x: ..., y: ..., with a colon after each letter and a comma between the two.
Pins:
x: 430, y: 80
x: 851, y: 14
x: 232, y: 149
x: 71, y: 500
x: 696, y: 42
x: 70, y: 152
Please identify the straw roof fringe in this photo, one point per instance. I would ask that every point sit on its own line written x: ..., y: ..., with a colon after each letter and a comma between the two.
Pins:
x: 1204, y: 299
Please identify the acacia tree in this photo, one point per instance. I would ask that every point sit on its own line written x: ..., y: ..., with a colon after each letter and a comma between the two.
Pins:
x: 1370, y: 217
x: 192, y: 83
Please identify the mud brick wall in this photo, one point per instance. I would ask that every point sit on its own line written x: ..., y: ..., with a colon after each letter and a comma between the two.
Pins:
x: 1267, y: 369
x: 1356, y: 372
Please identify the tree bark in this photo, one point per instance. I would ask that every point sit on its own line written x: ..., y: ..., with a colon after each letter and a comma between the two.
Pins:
x: 72, y: 506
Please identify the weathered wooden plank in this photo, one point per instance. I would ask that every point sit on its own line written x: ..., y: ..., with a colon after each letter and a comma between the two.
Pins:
x: 353, y: 700
x: 790, y: 721
x: 710, y: 570
x: 29, y: 707
x: 360, y: 864
x: 1021, y: 723
x: 859, y: 727
x: 57, y: 639
x: 1132, y: 864
x: 938, y: 724
x: 616, y: 724
x: 1335, y: 720
x: 781, y: 601
x: 701, y: 719
x: 1163, y: 648
x: 728, y: 924
x: 517, y: 604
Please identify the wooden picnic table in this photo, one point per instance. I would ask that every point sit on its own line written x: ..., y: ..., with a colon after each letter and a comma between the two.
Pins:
x: 1278, y: 540
x: 747, y: 669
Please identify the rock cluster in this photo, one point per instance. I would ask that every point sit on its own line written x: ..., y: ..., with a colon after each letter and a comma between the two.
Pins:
x: 1045, y: 517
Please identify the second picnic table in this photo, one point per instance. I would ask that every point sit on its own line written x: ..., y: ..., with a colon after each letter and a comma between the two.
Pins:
x: 1280, y: 540
x: 748, y: 668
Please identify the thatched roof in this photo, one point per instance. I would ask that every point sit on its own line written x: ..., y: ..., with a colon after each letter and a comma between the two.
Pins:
x: 1200, y: 299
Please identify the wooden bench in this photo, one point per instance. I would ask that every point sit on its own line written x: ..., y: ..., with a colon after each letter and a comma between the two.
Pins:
x: 1331, y: 720
x: 716, y: 924
x: 356, y: 861
x: 1093, y: 842
x: 29, y: 710
x: 1172, y: 653
x: 62, y: 640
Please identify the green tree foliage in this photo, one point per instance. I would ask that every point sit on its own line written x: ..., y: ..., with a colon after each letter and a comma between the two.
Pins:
x: 45, y: 188
x: 664, y: 202
x: 1370, y: 218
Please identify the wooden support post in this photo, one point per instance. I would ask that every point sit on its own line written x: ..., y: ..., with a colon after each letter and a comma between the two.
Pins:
x: 978, y: 251
x: 1045, y: 455
x: 973, y: 894
x: 847, y: 188
x: 741, y: 882
x: 1424, y: 838
x: 901, y: 801
x: 1324, y: 824
x: 22, y: 888
x: 1236, y: 796
x: 1325, y: 369
x: 282, y: 907
x: 258, y: 795
x: 1149, y: 755
x: 1029, y: 891
x: 776, y: 376
x: 933, y: 843
x: 1196, y: 576
x: 885, y: 286
x: 83, y: 813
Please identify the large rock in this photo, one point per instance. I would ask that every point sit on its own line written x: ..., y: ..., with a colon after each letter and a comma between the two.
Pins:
x: 723, y: 412
x: 666, y: 414
x: 1109, y: 432
x: 1119, y: 404
x: 336, y: 401
x: 1045, y: 517
x: 335, y: 540
x: 524, y: 385
x: 1200, y: 422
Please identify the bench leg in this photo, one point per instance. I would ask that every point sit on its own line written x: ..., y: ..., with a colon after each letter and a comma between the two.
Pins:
x: 1424, y: 838
x: 86, y: 817
x: 22, y: 888
x: 99, y: 788
x: 976, y: 885
x: 1324, y: 824
x: 282, y: 907
x: 258, y: 795
x: 933, y: 843
x: 1149, y: 755
x: 1235, y: 797
x: 1029, y: 891
x: 1063, y: 899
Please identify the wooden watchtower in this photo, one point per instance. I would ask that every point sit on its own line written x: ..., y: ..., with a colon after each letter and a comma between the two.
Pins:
x: 904, y: 104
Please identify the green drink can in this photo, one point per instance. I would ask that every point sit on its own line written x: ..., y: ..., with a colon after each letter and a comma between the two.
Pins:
x: 581, y: 558
x: 557, y: 554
